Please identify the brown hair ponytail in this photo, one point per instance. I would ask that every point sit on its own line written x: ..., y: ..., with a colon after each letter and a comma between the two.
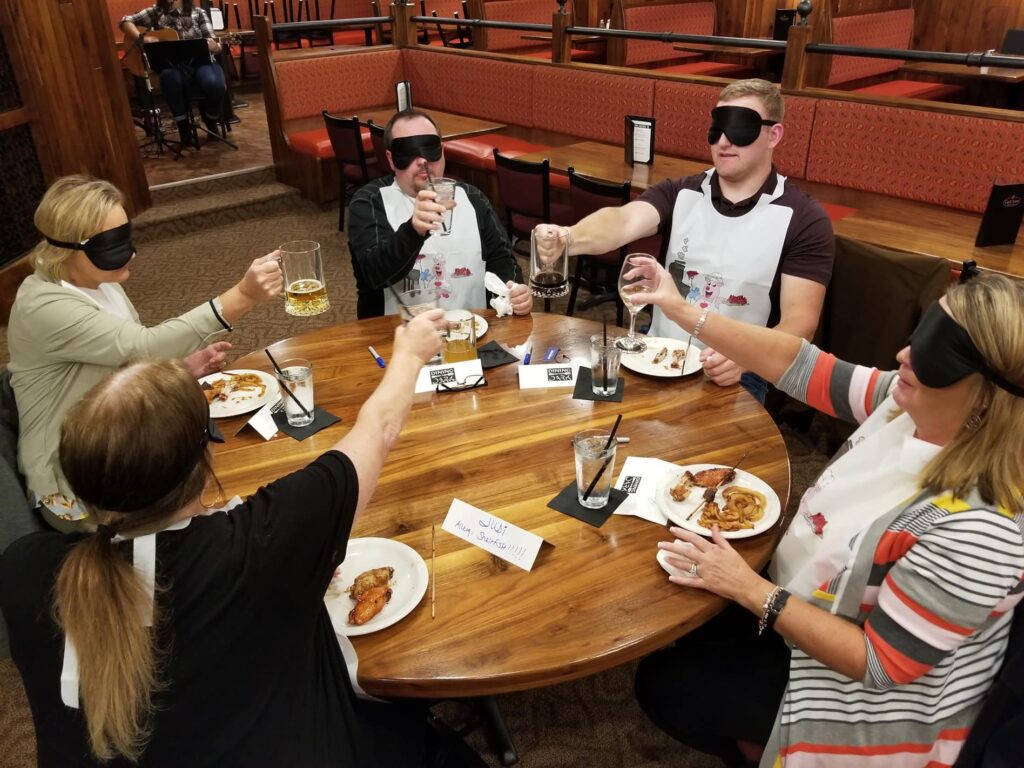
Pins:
x: 140, y: 427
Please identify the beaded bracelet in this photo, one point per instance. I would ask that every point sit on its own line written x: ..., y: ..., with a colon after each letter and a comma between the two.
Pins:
x: 700, y: 323
x: 769, y: 600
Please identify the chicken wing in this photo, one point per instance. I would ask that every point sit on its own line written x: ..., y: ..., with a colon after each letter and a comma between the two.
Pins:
x: 367, y: 580
x: 369, y: 605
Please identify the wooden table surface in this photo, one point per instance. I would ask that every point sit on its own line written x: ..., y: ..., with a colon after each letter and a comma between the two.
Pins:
x: 730, y: 50
x: 452, y: 126
x: 1006, y: 75
x: 889, y: 222
x: 596, y: 598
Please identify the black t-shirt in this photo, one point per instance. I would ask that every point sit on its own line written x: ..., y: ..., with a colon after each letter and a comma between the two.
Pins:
x: 254, y: 672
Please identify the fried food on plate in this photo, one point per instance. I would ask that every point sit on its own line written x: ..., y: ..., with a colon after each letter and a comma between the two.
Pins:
x: 660, y: 356
x: 370, y: 604
x: 232, y: 382
x: 713, y: 478
x: 367, y: 580
x: 743, y: 507
x: 678, y: 356
x: 681, y: 490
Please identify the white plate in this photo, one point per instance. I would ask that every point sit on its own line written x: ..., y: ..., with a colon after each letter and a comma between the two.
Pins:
x: 244, y: 400
x: 679, y: 511
x: 481, y: 325
x: 643, y: 362
x: 408, y: 585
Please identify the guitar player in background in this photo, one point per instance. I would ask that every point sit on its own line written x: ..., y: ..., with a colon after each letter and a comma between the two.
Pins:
x: 190, y: 23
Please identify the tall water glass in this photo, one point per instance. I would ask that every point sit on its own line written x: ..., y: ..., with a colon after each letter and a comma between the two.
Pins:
x: 445, y: 189
x: 305, y: 288
x: 594, y: 461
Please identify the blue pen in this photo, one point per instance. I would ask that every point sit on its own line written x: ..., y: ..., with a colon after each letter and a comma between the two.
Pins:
x: 551, y: 354
x: 529, y: 351
x: 375, y: 356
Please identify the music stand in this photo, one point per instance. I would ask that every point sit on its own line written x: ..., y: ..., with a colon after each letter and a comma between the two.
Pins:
x: 186, y: 56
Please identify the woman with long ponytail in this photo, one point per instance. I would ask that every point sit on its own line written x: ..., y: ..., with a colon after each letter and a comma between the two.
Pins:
x: 173, y: 635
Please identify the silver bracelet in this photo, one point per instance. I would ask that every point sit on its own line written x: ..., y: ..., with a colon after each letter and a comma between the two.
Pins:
x: 769, y: 601
x: 700, y: 323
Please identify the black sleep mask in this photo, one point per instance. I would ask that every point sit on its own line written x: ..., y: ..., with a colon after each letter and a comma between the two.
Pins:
x: 406, y: 150
x: 108, y: 250
x: 741, y: 125
x: 942, y: 353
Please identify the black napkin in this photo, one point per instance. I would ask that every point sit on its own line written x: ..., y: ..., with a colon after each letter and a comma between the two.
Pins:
x: 585, y: 391
x: 567, y: 502
x: 216, y: 436
x: 321, y: 420
x: 493, y: 354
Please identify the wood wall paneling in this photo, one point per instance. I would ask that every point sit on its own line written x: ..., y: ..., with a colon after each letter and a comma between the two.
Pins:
x: 64, y: 57
x: 955, y: 25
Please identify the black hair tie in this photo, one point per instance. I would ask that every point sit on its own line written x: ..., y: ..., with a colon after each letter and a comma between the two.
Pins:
x: 106, y: 532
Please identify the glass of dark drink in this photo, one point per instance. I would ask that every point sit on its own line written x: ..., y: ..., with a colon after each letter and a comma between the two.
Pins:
x: 549, y: 261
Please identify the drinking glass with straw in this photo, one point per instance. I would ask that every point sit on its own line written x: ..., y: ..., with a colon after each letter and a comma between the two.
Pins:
x: 296, y: 380
x: 595, y: 465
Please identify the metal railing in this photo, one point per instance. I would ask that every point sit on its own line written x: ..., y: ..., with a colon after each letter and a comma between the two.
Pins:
x: 975, y: 59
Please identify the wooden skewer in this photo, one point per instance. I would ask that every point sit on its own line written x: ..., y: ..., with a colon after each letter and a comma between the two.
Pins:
x: 433, y: 559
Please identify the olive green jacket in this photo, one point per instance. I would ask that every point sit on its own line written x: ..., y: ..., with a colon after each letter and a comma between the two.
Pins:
x: 61, y: 344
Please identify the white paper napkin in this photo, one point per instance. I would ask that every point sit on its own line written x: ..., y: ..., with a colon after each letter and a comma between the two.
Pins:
x: 639, y: 477
x: 501, y: 303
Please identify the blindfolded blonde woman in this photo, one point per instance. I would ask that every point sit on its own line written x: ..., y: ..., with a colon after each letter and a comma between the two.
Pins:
x: 895, y: 585
x: 72, y: 324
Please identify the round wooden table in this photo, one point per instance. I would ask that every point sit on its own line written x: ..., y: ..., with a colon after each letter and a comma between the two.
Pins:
x: 596, y: 598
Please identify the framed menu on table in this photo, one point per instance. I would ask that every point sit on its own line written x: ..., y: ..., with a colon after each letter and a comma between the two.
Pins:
x: 639, y: 140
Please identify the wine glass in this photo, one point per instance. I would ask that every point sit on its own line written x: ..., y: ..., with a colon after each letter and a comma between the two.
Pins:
x: 627, y: 287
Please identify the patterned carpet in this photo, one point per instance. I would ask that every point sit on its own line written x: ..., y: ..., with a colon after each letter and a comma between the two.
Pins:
x: 185, y: 256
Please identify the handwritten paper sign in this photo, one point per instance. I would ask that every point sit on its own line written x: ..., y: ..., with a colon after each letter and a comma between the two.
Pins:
x: 554, y: 375
x: 492, y: 534
x: 452, y: 374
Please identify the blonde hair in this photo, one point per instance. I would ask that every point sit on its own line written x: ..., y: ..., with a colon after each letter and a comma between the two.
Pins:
x: 143, y: 424
x: 72, y: 210
x: 768, y: 93
x: 988, y: 455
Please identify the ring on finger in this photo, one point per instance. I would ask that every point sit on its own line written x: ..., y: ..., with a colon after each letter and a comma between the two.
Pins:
x: 693, y: 570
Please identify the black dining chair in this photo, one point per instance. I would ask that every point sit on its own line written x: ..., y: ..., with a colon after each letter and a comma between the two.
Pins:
x: 379, y: 147
x: 354, y: 167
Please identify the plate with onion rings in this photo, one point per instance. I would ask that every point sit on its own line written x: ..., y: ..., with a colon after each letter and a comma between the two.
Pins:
x: 743, y: 505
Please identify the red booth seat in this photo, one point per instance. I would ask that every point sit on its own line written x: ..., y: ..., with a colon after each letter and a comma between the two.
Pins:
x: 317, y: 143
x: 914, y: 89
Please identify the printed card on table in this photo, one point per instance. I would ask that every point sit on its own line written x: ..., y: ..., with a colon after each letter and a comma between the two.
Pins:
x: 263, y: 420
x: 640, y: 478
x: 553, y: 375
x: 451, y: 374
x: 492, y: 534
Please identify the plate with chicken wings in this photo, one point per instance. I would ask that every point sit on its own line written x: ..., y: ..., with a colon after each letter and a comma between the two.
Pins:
x: 378, y: 584
x: 698, y: 496
x: 664, y: 357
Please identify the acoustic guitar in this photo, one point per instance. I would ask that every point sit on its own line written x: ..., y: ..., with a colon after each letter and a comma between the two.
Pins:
x: 133, y: 59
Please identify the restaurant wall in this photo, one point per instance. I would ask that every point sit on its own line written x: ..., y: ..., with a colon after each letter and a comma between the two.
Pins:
x: 956, y: 25
x: 72, y: 102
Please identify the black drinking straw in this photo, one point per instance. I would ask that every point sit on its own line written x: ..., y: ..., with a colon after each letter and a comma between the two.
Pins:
x: 611, y: 439
x: 394, y: 293
x: 286, y: 388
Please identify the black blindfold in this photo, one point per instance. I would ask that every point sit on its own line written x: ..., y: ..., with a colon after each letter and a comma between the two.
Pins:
x: 741, y: 125
x: 405, y: 151
x: 942, y: 353
x: 108, y: 250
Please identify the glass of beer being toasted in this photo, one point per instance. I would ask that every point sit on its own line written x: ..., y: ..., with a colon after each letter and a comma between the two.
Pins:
x: 305, y: 289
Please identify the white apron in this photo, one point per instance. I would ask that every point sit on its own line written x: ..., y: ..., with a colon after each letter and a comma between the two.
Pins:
x: 730, y: 262
x: 881, y: 470
x: 451, y: 263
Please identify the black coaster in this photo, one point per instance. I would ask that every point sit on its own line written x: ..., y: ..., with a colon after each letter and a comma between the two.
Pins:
x: 493, y: 354
x: 216, y: 436
x: 321, y: 420
x: 585, y: 391
x: 567, y: 503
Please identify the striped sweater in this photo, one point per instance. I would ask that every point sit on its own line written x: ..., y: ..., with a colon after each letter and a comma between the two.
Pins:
x: 933, y: 584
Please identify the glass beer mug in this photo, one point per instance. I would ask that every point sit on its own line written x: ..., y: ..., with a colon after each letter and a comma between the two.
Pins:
x: 305, y: 289
x: 549, y: 261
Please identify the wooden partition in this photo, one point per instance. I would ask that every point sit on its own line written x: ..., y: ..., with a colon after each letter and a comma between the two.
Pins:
x: 63, y: 56
x: 957, y: 25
